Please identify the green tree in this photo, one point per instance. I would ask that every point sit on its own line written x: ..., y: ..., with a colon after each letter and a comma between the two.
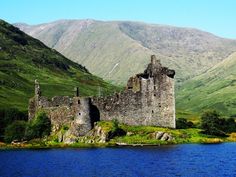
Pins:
x: 8, y: 116
x: 115, y: 125
x: 15, y: 131
x: 116, y: 130
x: 39, y: 126
x: 182, y: 123
x: 211, y: 123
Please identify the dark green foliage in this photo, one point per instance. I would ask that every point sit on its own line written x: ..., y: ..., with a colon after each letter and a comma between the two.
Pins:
x: 228, y: 125
x: 8, y: 116
x: 15, y: 131
x: 212, y: 124
x: 115, y: 125
x: 116, y: 130
x: 182, y: 123
x: 39, y: 127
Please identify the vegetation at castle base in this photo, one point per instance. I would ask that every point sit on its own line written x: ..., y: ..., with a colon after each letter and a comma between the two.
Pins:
x: 15, y: 131
x: 137, y: 135
x: 19, y: 130
x: 8, y: 116
x: 205, y: 131
x: 144, y: 135
x: 38, y: 127
x: 24, y: 59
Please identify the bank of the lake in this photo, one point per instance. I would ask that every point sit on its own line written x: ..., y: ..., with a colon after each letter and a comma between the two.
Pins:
x: 175, y: 160
x: 135, y: 136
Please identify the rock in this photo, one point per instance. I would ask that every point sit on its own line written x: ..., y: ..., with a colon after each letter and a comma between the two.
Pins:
x: 129, y: 133
x: 60, y: 137
x: 159, y: 135
x: 170, y: 138
x: 163, y: 136
x: 167, y: 137
x: 69, y: 138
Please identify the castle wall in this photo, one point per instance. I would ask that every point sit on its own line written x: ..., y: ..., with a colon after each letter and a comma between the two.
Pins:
x: 64, y: 111
x: 148, y: 100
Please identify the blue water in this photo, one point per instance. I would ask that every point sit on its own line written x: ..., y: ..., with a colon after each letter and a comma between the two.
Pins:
x: 180, y: 160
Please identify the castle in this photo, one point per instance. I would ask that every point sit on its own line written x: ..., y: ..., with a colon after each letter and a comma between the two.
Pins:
x: 147, y: 100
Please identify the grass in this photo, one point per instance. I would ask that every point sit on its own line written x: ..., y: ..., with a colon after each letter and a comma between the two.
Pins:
x: 143, y: 135
x: 215, y: 89
x: 138, y: 135
x: 24, y: 59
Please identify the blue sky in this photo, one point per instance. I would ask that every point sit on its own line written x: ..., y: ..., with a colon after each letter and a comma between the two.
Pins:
x: 215, y: 16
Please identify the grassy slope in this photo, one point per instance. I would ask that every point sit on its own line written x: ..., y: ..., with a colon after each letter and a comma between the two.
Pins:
x: 24, y: 59
x: 213, y: 89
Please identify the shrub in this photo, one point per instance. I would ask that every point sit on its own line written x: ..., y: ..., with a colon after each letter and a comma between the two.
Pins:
x: 15, y: 131
x: 38, y: 127
x: 115, y: 125
x: 211, y: 123
x: 115, y: 130
x: 182, y: 123
x: 8, y: 116
x: 228, y: 125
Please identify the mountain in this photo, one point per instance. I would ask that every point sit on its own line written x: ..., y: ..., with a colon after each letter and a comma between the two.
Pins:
x: 116, y: 50
x: 214, y: 89
x: 24, y: 59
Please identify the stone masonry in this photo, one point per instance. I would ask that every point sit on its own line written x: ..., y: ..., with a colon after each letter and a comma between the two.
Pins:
x: 147, y: 100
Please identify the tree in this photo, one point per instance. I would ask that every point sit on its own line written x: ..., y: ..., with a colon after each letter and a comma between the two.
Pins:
x: 15, y: 131
x: 182, y: 123
x: 116, y: 130
x: 38, y: 127
x: 8, y: 116
x: 211, y: 123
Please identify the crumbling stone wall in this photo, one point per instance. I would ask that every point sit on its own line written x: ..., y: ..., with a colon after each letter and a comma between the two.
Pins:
x: 63, y: 111
x: 148, y: 99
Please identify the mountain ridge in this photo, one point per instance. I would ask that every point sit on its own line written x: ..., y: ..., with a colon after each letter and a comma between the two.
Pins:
x: 103, y: 44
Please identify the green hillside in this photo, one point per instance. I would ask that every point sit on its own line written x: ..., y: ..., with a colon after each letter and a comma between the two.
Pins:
x: 116, y: 50
x: 215, y: 89
x: 24, y: 59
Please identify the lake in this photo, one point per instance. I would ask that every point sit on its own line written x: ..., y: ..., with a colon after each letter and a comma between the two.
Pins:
x: 175, y: 160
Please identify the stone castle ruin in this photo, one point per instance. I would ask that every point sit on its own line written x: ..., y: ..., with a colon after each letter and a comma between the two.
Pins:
x: 147, y: 100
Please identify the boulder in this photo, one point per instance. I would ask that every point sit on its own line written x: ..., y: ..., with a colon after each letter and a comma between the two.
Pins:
x: 159, y: 135
x: 163, y: 136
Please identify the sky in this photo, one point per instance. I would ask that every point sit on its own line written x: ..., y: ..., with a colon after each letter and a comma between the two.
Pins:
x: 215, y: 16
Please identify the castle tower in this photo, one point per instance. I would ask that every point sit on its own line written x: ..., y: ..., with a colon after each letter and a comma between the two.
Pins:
x: 37, y: 90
